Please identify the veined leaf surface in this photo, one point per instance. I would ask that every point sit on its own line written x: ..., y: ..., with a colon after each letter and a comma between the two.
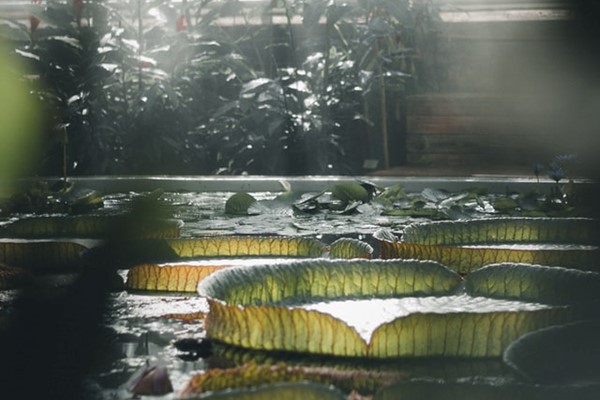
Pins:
x: 168, y: 278
x: 350, y: 248
x: 504, y: 230
x: 41, y: 254
x: 468, y: 259
x: 255, y: 375
x: 240, y: 246
x: 328, y: 279
x: 551, y: 285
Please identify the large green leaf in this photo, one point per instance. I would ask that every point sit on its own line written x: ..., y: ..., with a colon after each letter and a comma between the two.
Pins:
x: 468, y: 259
x: 91, y: 226
x: 328, y: 279
x: 504, y: 230
x: 350, y: 248
x: 242, y: 246
x: 181, y: 277
x: 460, y: 334
x: 41, y: 254
x: 559, y: 354
x: 258, y: 308
x: 255, y: 375
x: 551, y: 285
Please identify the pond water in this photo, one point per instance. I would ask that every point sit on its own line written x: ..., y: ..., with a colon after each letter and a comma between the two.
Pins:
x: 140, y: 335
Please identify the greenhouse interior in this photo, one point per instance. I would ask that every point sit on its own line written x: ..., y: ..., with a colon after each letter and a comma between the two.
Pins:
x: 299, y: 199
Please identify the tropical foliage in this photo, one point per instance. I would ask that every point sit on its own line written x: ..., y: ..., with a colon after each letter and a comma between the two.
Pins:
x: 171, y: 87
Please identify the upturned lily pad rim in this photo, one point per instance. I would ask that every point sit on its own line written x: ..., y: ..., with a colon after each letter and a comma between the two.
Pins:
x: 271, y: 325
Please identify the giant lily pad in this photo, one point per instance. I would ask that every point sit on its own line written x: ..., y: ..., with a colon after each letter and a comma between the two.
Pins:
x: 504, y: 230
x: 91, y: 226
x: 265, y: 307
x: 41, y: 254
x: 553, y: 285
x: 181, y: 277
x: 467, y: 259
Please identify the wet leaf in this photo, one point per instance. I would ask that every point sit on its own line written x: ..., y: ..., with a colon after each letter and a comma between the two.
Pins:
x: 350, y: 248
x: 239, y: 204
x: 244, y: 246
x: 324, y: 278
x: 349, y: 192
x: 550, y: 285
x: 558, y: 354
x: 468, y: 259
x: 41, y: 254
x: 253, y: 375
x: 504, y: 230
x: 168, y: 278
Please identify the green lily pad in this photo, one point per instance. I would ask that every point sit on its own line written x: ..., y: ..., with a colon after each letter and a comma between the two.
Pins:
x: 260, y: 308
x: 504, y: 230
x: 239, y: 203
x: 552, y: 285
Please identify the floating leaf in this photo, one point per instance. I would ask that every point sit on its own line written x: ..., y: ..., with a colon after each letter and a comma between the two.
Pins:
x: 41, y: 254
x: 551, y: 285
x: 504, y: 230
x: 332, y: 279
x: 281, y: 391
x: 558, y: 354
x: 150, y: 381
x: 350, y: 248
x: 243, y: 246
x: 460, y: 334
x: 239, y: 203
x: 168, y: 278
x: 253, y: 375
x: 467, y: 259
x: 477, y: 390
x: 92, y: 226
x: 348, y: 192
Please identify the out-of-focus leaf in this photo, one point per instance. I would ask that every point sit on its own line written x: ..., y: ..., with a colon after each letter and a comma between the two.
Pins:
x: 558, y: 354
x: 350, y: 248
x: 550, y: 285
x: 168, y: 278
x: 91, y: 226
x: 279, y: 391
x: 41, y: 254
x: 349, y: 192
x: 505, y: 230
x: 477, y: 390
x: 254, y: 375
x: 244, y: 246
x: 331, y: 279
x: 434, y: 195
x: 239, y: 203
x: 468, y: 259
